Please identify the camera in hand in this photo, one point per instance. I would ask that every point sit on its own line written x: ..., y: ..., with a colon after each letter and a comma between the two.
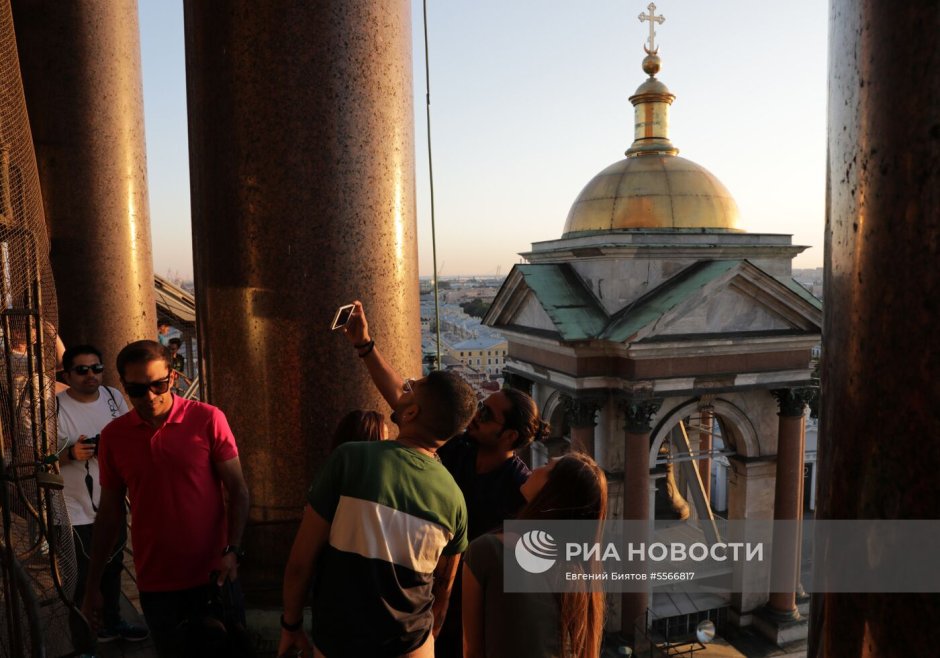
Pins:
x: 92, y: 440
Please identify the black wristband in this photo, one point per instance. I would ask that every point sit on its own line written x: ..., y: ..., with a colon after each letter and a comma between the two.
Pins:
x: 368, y: 348
x: 359, y: 346
x: 291, y: 628
x: 232, y: 548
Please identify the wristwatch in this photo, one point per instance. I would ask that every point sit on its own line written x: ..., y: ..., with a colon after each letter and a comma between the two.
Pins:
x: 233, y: 548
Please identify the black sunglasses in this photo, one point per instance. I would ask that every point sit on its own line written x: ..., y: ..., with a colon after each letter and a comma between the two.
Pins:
x: 83, y: 370
x: 486, y: 415
x: 158, y: 387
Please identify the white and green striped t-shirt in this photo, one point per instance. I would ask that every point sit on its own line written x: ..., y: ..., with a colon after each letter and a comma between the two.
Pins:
x: 393, y: 512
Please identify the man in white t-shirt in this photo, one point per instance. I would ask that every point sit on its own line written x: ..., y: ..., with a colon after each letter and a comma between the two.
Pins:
x: 83, y: 410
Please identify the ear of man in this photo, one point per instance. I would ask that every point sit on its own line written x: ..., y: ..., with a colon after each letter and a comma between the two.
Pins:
x: 508, y: 438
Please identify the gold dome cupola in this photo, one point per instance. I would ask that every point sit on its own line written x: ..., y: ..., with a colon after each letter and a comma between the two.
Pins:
x: 652, y: 188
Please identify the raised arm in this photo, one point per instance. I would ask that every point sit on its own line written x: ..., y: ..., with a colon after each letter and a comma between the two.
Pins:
x: 383, y: 375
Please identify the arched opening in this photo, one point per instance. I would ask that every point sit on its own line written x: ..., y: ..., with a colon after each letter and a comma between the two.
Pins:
x: 694, y: 442
x: 690, y: 464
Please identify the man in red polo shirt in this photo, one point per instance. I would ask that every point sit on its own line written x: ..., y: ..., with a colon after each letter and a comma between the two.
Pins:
x: 173, y: 457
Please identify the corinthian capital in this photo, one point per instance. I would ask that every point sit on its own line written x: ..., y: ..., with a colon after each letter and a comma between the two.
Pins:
x: 793, y: 401
x: 581, y: 412
x: 638, y: 414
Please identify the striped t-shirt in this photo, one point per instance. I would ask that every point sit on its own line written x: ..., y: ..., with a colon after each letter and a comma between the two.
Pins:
x: 393, y: 512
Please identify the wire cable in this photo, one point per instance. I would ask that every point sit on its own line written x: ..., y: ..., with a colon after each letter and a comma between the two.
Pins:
x: 427, y: 105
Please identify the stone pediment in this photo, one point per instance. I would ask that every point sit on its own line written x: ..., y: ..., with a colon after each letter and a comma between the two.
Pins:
x: 708, y: 299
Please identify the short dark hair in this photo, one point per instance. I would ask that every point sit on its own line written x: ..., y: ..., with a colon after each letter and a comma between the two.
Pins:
x: 68, y: 359
x: 524, y: 418
x: 142, y: 351
x: 447, y: 404
x: 175, y: 341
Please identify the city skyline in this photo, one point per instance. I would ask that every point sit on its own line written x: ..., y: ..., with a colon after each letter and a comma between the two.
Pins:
x: 529, y: 102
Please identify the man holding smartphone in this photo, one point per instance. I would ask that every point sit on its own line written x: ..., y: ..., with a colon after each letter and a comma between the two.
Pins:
x: 383, y: 528
x: 483, y: 460
x: 83, y: 410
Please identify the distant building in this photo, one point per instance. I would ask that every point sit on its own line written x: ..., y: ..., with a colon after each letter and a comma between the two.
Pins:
x: 675, y: 347
x: 485, y: 355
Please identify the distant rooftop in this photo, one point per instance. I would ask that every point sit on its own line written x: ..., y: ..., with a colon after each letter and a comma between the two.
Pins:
x: 479, y: 343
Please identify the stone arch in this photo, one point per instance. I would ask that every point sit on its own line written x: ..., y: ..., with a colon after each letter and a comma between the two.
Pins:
x: 554, y: 405
x: 740, y: 429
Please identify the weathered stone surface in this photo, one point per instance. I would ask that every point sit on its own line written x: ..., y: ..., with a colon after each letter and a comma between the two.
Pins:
x: 878, y: 457
x: 302, y: 161
x: 81, y: 73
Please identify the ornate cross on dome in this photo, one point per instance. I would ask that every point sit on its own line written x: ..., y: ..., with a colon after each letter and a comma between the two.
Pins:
x: 653, y: 19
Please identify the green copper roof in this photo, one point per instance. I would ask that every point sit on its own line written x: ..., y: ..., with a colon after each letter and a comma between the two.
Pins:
x: 664, y: 298
x: 566, y: 299
x: 800, y: 290
x: 578, y: 315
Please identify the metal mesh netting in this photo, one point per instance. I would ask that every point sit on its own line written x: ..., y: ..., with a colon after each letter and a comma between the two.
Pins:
x: 37, y: 556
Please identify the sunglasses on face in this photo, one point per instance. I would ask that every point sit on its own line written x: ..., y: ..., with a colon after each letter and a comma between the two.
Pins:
x: 485, y: 414
x: 83, y: 370
x: 157, y: 387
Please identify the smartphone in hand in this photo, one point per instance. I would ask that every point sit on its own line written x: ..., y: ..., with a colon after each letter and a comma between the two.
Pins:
x: 342, y: 316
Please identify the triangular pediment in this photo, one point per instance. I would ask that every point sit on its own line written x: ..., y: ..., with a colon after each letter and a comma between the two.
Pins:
x: 547, y: 297
x: 731, y: 298
x: 718, y: 298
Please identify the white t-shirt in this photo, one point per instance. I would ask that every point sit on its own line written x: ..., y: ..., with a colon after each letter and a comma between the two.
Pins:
x: 77, y: 419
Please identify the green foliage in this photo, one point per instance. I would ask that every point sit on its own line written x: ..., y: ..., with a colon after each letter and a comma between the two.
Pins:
x: 475, y: 308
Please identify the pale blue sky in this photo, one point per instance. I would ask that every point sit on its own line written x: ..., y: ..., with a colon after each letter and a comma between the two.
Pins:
x: 529, y: 101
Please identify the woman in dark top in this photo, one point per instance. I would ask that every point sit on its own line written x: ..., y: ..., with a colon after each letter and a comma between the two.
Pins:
x: 536, y: 625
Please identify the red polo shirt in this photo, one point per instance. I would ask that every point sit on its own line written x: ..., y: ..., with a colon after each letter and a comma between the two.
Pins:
x: 178, y: 516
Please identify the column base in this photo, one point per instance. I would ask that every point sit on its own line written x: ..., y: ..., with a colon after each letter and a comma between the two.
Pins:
x: 781, y: 628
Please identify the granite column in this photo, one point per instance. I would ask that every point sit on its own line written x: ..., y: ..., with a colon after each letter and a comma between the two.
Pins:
x: 80, y: 62
x: 638, y: 416
x: 303, y: 195
x: 785, y: 566
x: 880, y: 361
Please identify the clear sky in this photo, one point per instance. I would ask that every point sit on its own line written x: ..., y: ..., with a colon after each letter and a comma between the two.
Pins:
x: 529, y: 100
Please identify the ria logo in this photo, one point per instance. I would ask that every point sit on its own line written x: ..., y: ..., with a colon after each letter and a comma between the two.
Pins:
x: 536, y: 551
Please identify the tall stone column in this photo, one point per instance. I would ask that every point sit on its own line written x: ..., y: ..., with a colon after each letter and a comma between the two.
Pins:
x: 303, y: 192
x: 81, y: 73
x: 787, y: 501
x: 582, y: 415
x: 878, y: 458
x: 638, y: 417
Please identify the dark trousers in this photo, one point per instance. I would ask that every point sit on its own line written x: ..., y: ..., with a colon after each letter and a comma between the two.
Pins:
x: 110, y: 579
x: 193, y: 622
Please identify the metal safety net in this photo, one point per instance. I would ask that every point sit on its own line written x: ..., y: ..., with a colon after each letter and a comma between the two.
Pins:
x: 37, y: 560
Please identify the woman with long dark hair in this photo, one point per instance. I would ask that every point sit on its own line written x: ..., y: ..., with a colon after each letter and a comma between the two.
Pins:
x: 537, y: 625
x: 360, y: 425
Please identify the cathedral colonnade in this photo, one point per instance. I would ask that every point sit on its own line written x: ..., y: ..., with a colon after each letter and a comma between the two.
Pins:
x: 80, y: 62
x: 303, y: 193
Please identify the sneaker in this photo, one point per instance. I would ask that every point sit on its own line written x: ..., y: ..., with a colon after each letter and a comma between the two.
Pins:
x: 124, y: 631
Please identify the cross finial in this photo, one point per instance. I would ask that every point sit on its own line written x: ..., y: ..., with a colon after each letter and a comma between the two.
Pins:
x: 653, y: 19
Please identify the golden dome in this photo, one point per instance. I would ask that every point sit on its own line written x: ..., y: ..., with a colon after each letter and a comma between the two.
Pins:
x: 652, y: 188
x: 652, y: 191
